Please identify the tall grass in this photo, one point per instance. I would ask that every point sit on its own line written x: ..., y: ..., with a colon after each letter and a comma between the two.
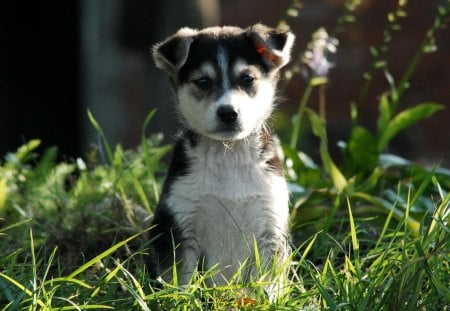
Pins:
x: 369, y: 233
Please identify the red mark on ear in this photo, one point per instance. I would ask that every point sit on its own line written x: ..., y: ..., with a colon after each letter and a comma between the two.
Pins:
x: 262, y: 50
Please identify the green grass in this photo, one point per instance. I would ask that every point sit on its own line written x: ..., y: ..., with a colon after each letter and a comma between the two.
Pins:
x: 394, y: 271
x: 370, y: 232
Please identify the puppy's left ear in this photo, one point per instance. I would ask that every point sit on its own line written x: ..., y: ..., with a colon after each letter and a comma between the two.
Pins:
x: 171, y: 54
x: 272, y: 45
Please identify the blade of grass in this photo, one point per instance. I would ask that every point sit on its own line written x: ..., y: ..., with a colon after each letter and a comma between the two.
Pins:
x: 107, y: 279
x: 68, y: 280
x: 85, y: 307
x: 137, y: 292
x: 355, y: 244
x: 14, y: 225
x: 99, y: 257
x: 441, y: 288
x: 326, y: 296
x: 34, y: 270
x: 385, y: 226
x: 442, y: 212
x: 22, y: 288
x: 308, y: 248
x: 100, y: 132
x: 7, y: 307
x: 257, y: 257
x: 44, y: 277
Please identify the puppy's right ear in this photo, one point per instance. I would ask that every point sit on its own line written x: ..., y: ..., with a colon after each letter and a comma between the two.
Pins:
x: 171, y: 54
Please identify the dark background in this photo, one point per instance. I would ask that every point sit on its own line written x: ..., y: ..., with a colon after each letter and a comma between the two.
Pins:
x: 39, y: 74
x: 60, y: 58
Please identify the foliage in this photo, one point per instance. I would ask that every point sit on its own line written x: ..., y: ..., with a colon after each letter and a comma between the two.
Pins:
x: 367, y: 174
x: 79, y: 206
x: 370, y: 232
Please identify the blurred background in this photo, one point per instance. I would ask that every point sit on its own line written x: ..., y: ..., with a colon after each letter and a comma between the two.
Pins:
x: 60, y: 58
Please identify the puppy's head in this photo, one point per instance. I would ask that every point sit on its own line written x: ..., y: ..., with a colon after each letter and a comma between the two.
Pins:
x: 224, y: 77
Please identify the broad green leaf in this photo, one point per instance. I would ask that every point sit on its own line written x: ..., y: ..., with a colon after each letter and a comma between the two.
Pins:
x: 423, y: 187
x: 339, y: 180
x: 404, y: 120
x: 398, y: 214
x: 362, y: 149
x: 392, y: 160
x: 317, y: 125
x: 385, y: 113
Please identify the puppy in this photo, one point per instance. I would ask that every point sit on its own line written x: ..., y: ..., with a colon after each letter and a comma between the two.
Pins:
x: 225, y: 195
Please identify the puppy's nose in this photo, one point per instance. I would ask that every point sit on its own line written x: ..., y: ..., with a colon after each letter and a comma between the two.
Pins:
x: 227, y: 114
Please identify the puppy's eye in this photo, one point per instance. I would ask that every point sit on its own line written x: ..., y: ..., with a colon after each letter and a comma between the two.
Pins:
x: 246, y: 80
x: 203, y: 83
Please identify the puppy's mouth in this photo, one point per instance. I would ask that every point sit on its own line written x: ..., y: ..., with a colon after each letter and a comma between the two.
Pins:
x: 230, y: 128
x: 228, y: 132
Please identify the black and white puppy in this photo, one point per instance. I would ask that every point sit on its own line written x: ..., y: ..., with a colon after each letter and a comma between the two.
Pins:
x: 225, y: 190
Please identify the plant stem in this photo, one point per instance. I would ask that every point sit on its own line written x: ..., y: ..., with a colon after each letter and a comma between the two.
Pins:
x: 322, y: 103
x: 300, y: 112
x: 379, y: 53
x: 405, y: 79
x: 429, y: 40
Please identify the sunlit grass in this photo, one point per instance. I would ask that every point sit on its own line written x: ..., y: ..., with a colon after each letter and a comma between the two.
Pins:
x: 349, y: 272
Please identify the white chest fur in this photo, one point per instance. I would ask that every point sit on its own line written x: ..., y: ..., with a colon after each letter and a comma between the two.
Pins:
x: 229, y: 199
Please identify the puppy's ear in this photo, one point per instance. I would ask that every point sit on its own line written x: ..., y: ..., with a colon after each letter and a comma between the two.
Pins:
x: 273, y: 45
x: 171, y: 54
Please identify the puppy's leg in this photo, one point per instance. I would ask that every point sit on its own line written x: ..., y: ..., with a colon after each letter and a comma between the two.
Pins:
x: 190, y: 257
x: 274, y: 263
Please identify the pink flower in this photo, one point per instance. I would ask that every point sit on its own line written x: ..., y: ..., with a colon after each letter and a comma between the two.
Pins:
x: 314, y: 59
